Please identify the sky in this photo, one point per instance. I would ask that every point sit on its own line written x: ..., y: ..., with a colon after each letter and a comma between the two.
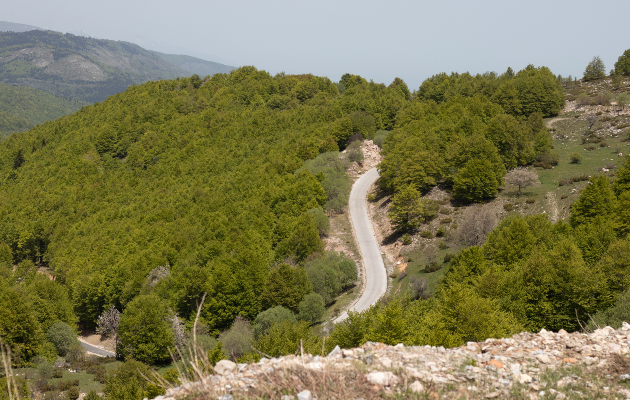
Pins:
x: 379, y: 40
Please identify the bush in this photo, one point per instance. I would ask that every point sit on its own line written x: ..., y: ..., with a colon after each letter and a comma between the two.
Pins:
x: 508, y: 207
x: 530, y: 201
x: 418, y: 287
x: 612, y: 316
x: 549, y: 158
x: 588, y: 148
x: 379, y: 137
x: 238, y: 339
x: 406, y: 239
x: 448, y: 257
x: 603, y: 144
x: 445, y: 210
x: 446, y: 220
x: 440, y: 232
x: 57, y: 373
x: 432, y: 267
x: 355, y: 153
x: 402, y: 275
x: 564, y: 196
x: 330, y: 274
x: 575, y: 158
x: 73, y: 393
x: 62, y: 336
x: 426, y: 234
x: 45, y: 370
x: 311, y: 308
x: 267, y: 318
x: 92, y: 395
x: 321, y: 221
x: 476, y: 223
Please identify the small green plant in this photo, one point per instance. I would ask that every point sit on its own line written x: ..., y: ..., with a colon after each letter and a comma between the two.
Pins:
x: 564, y: 196
x: 442, y: 245
x: 406, y: 239
x: 448, y: 257
x: 575, y: 158
x: 440, y: 232
x: 530, y: 201
x: 589, y: 148
x: 371, y: 198
x: 603, y: 144
x: 445, y: 211
x: 426, y: 234
x: 508, y: 207
x: 446, y: 221
x: 432, y: 267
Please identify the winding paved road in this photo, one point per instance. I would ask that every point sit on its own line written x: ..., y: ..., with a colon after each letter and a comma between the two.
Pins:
x: 376, y: 276
x: 97, y: 350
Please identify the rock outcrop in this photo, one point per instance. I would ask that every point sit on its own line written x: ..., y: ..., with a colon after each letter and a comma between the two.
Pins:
x: 543, y: 365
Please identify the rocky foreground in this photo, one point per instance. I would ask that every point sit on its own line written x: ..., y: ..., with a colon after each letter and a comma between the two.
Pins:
x: 545, y: 365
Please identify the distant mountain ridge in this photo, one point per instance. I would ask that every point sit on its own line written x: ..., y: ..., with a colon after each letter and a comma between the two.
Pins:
x: 6, y: 26
x: 87, y: 69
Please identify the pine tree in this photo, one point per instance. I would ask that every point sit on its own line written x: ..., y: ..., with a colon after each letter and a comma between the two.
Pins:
x: 594, y: 70
x: 622, y: 66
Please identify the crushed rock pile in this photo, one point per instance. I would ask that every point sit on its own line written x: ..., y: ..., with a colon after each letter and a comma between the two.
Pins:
x: 530, y: 366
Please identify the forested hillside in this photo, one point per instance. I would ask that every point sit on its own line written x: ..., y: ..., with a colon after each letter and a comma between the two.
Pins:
x: 77, y: 67
x: 175, y: 188
x: 21, y: 108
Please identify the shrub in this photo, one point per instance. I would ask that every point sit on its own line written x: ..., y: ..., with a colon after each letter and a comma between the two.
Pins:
x: 267, y: 318
x: 321, y: 221
x: 564, y: 196
x: 62, y: 336
x: 379, y: 137
x: 448, y: 257
x: 611, y: 166
x: 508, y: 207
x: 549, y: 158
x: 406, y: 239
x: 446, y: 220
x: 442, y: 245
x: 72, y: 393
x: 402, y: 275
x: 530, y: 201
x: 580, y: 178
x: 575, y: 158
x: 445, y: 210
x: 440, y: 232
x: 589, y: 148
x: 57, y: 373
x: 45, y: 370
x: 603, y: 144
x: 432, y: 267
x: 418, y: 287
x: 613, y: 316
x: 476, y: 223
x: 92, y: 395
x: 426, y: 234
x: 355, y: 154
x: 330, y: 274
x: 311, y: 308
x: 238, y: 339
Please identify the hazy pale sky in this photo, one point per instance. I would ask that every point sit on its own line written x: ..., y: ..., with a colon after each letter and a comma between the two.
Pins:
x: 378, y: 40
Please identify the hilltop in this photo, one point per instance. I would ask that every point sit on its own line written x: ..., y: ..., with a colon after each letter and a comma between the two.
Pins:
x: 6, y: 26
x: 86, y: 69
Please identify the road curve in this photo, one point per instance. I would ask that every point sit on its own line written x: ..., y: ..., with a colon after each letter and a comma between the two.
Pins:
x: 97, y: 350
x: 375, y: 274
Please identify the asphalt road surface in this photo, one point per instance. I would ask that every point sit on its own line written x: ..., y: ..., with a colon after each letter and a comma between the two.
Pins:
x: 376, y: 276
x: 96, y: 350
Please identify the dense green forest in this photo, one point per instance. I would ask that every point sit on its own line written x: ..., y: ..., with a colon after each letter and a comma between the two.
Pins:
x: 223, y: 186
x: 21, y: 108
x: 176, y: 188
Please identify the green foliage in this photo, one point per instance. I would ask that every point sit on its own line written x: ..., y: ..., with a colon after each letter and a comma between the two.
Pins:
x: 408, y: 210
x: 379, y: 138
x: 285, y: 286
x: 311, y: 308
x: 62, y: 336
x: 622, y: 66
x: 476, y: 181
x: 575, y: 158
x: 321, y: 221
x: 330, y: 274
x: 144, y: 331
x: 128, y: 383
x: 622, y: 182
x: 217, y: 354
x: 284, y: 338
x: 597, y: 200
x: 330, y: 169
x: 19, y: 327
x: 21, y: 108
x: 237, y: 340
x: 271, y: 316
x: 613, y: 316
x: 594, y: 70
